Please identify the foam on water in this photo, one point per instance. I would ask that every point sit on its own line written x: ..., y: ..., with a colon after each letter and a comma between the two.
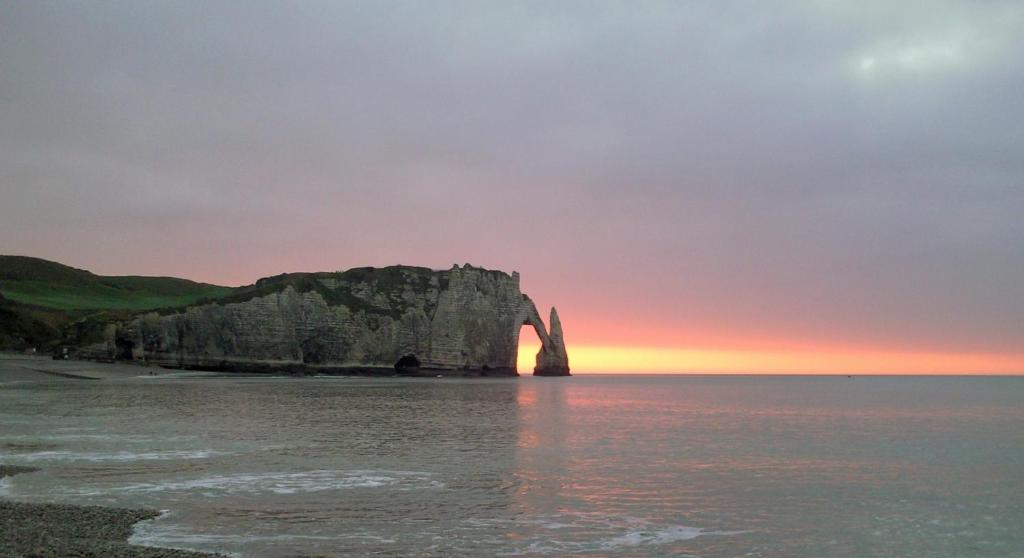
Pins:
x: 152, y: 533
x: 161, y: 532
x: 131, y: 438
x: 585, y: 533
x: 120, y: 456
x: 289, y: 483
x: 174, y: 536
x: 657, y: 536
x: 666, y: 535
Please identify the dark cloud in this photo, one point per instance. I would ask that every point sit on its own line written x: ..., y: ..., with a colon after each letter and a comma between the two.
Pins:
x: 824, y: 172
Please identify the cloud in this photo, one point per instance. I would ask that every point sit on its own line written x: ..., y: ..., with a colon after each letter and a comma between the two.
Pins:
x: 717, y: 173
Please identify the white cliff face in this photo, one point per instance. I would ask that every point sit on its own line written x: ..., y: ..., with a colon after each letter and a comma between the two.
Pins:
x: 463, y: 319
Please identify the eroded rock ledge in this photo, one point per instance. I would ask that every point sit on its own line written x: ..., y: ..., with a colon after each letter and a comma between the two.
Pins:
x: 412, y: 320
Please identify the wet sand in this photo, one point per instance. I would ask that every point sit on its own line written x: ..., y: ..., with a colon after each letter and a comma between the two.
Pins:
x: 15, y: 368
x: 57, y: 530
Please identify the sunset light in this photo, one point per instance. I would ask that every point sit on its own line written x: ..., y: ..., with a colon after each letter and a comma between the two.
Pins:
x: 356, y: 278
x: 610, y: 359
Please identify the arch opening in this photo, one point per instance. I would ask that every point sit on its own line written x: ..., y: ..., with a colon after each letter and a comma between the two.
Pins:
x: 528, y: 345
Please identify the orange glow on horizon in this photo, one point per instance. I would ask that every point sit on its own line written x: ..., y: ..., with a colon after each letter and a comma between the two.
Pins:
x: 609, y: 359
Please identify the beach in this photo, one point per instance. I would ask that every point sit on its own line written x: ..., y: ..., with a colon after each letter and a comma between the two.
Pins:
x: 60, y: 530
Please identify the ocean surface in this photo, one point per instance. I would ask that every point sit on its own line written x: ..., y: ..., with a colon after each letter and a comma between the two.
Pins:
x: 704, y: 466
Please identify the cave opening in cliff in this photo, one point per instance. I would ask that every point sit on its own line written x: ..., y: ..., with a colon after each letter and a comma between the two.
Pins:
x: 529, y: 344
x: 125, y: 349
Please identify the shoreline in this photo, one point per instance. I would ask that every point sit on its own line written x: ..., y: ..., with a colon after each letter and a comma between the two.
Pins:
x: 57, y: 530
x: 90, y: 369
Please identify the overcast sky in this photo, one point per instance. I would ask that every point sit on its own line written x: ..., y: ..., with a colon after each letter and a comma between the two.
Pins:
x: 708, y: 173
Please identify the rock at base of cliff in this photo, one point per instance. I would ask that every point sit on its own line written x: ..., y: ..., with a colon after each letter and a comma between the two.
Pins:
x: 552, y: 371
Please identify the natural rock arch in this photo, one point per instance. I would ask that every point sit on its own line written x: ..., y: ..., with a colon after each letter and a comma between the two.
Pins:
x: 552, y: 359
x: 464, y: 320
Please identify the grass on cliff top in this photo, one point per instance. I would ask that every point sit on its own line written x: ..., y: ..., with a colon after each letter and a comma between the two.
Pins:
x: 44, y: 303
x: 48, y: 284
x: 390, y: 281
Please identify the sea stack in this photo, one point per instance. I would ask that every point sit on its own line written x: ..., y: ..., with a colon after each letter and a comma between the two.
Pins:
x: 553, y: 360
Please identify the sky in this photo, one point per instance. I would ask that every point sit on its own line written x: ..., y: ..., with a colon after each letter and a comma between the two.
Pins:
x: 705, y: 186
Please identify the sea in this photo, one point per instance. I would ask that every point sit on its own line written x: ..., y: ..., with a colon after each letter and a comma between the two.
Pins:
x: 611, y: 465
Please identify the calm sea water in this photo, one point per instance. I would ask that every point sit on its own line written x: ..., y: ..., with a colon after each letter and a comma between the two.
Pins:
x: 592, y: 466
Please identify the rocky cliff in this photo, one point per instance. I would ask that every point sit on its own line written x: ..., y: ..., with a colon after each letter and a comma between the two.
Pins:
x: 415, y: 320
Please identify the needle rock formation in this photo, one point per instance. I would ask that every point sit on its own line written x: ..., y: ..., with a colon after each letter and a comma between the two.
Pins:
x: 464, y: 320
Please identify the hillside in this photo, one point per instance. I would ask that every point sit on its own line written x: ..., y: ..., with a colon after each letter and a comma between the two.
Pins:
x: 47, y: 284
x: 24, y: 326
x: 40, y: 298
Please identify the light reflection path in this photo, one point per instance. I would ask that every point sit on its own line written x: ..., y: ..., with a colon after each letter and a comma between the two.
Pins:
x: 767, y: 467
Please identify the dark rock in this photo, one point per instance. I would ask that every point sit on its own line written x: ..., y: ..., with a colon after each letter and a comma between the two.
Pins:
x: 408, y: 364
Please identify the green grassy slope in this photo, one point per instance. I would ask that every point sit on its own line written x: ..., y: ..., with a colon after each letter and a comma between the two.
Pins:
x: 41, y: 301
x: 389, y: 281
x: 46, y: 284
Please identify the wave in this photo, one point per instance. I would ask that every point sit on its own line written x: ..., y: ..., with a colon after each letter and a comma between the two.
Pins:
x: 157, y: 532
x: 590, y: 534
x: 666, y: 535
x: 110, y: 456
x: 289, y: 483
x: 133, y: 438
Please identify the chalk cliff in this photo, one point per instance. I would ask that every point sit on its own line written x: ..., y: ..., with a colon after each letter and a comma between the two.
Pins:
x: 463, y: 320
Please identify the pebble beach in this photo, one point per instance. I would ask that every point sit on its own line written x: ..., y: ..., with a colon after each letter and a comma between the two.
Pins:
x: 32, y: 530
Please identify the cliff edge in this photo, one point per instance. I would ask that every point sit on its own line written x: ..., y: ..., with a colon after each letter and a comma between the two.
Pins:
x: 410, y: 320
